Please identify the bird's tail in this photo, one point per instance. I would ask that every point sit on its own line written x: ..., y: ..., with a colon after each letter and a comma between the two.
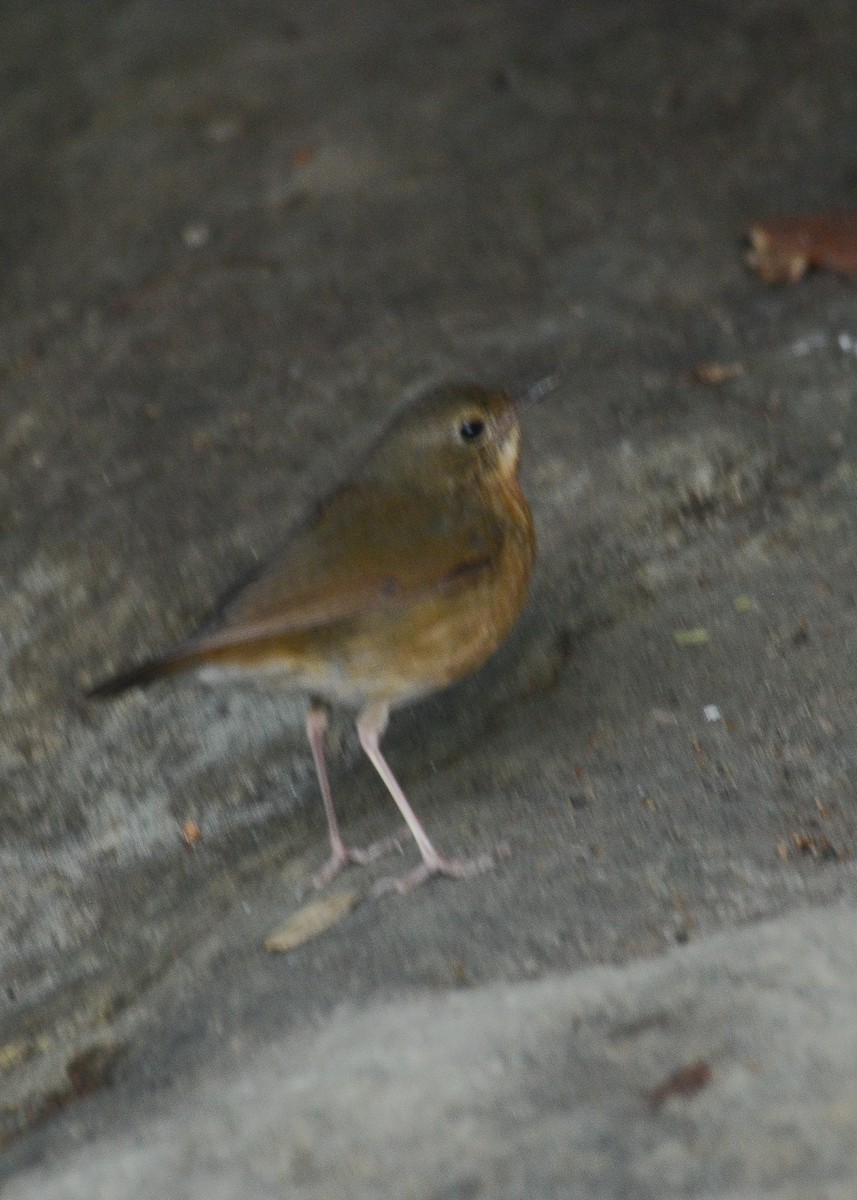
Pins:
x: 139, y: 676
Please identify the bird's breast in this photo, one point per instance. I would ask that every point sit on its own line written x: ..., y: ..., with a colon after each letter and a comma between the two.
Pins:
x: 399, y: 654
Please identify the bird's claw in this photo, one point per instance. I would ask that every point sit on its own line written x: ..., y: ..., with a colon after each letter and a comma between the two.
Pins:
x: 453, y: 868
x: 359, y: 856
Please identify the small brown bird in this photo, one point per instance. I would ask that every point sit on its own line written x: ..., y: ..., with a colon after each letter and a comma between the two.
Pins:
x: 403, y: 579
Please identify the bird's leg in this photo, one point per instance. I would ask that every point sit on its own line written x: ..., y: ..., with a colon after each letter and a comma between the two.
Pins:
x: 316, y: 728
x: 340, y: 854
x: 370, y: 728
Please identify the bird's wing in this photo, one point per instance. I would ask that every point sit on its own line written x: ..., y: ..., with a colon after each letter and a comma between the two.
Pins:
x: 365, y: 549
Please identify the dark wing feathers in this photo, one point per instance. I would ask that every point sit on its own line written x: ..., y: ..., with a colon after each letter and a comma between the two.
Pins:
x: 365, y: 549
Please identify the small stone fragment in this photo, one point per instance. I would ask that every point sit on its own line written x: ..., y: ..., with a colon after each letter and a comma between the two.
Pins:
x: 195, y: 235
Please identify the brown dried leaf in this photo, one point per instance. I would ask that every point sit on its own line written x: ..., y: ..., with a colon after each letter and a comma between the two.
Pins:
x: 12, y: 1054
x: 191, y: 834
x: 311, y: 921
x: 92, y: 1068
x: 686, y: 1081
x: 712, y: 373
x: 815, y: 845
x: 783, y: 249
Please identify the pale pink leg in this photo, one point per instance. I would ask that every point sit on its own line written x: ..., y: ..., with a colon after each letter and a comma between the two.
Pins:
x: 340, y: 854
x: 370, y: 728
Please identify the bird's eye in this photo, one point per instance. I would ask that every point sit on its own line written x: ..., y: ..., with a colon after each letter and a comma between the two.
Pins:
x: 471, y: 430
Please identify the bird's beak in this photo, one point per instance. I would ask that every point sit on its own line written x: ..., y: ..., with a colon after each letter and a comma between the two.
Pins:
x: 537, y: 391
x: 508, y: 428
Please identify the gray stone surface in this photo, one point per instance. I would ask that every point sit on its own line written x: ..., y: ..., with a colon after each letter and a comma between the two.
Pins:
x: 544, y: 1089
x: 230, y: 242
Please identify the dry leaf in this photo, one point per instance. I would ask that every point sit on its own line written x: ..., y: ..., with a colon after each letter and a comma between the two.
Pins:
x: 191, y: 834
x: 691, y: 637
x: 713, y: 372
x: 92, y: 1068
x: 783, y: 250
x: 686, y: 1082
x: 815, y: 845
x: 12, y: 1054
x: 311, y: 921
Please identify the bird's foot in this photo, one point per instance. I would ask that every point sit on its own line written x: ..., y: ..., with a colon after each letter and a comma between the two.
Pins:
x: 454, y: 868
x: 360, y: 856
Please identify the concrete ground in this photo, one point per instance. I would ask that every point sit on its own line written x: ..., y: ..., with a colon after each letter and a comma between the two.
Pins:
x: 231, y: 240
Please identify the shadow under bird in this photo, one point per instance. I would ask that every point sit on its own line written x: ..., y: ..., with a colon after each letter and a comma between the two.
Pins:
x: 403, y: 579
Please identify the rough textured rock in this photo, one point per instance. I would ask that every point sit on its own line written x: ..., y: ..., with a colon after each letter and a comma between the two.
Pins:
x: 530, y: 1089
x: 229, y: 244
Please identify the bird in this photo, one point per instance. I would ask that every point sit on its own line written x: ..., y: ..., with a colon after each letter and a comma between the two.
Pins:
x: 405, y: 578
